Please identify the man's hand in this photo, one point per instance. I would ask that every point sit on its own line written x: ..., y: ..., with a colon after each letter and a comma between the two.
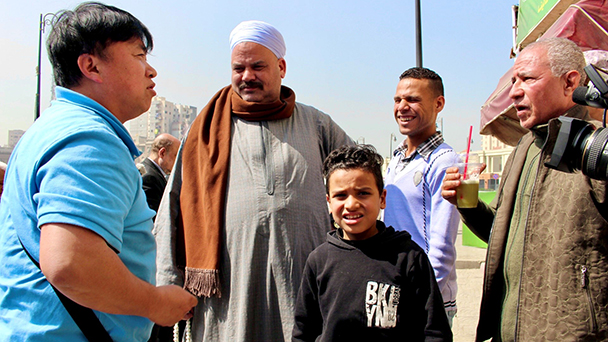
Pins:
x: 451, y: 181
x: 80, y: 264
x: 173, y: 304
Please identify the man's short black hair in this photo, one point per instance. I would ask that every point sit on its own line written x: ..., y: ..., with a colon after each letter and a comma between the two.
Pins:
x: 425, y: 74
x: 362, y: 157
x: 89, y: 28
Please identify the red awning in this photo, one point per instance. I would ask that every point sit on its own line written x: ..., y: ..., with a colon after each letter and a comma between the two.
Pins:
x: 585, y: 23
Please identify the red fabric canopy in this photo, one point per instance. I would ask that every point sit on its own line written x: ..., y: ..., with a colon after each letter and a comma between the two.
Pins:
x: 585, y: 23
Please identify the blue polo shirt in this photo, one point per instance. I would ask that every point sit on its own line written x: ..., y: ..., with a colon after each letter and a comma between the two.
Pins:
x: 75, y: 166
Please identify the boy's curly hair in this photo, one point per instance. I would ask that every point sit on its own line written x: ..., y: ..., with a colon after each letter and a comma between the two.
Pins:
x: 362, y: 157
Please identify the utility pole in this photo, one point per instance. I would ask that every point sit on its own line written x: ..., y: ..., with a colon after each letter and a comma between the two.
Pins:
x: 418, y: 36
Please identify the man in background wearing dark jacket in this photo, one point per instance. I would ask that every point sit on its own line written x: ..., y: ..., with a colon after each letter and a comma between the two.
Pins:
x: 158, y: 166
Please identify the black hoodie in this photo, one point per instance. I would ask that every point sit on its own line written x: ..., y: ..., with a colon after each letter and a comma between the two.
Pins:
x: 379, y: 289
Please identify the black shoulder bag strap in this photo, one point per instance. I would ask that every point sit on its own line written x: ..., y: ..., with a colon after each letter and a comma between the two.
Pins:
x: 85, y: 318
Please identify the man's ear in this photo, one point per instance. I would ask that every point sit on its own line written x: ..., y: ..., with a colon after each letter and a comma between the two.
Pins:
x: 439, y: 103
x: 282, y: 67
x: 87, y: 64
x: 571, y: 81
x: 161, y: 152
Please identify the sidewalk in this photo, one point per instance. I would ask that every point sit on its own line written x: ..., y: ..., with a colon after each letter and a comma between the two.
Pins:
x: 469, y: 270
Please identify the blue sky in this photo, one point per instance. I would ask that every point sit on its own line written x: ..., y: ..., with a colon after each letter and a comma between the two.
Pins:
x: 342, y: 57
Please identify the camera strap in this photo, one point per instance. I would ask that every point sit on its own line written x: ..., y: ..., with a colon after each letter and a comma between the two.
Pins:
x: 84, y: 317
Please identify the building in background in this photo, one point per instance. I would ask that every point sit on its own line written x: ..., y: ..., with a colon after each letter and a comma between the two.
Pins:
x: 13, y: 138
x: 5, y: 153
x: 494, y: 154
x: 162, y: 117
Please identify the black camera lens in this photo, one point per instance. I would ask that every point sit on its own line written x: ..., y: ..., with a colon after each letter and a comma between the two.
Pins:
x: 595, y: 155
x: 579, y: 146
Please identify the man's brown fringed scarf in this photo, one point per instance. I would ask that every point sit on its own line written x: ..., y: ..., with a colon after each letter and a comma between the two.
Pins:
x: 205, y: 156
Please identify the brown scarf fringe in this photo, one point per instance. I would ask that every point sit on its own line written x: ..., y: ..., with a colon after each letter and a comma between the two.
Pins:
x: 203, y: 283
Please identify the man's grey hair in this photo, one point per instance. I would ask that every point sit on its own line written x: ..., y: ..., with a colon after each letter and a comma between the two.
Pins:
x: 564, y: 55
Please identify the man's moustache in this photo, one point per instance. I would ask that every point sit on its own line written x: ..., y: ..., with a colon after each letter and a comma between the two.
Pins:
x: 251, y: 85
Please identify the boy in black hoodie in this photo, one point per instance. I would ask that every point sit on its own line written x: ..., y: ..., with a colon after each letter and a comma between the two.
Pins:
x: 367, y: 282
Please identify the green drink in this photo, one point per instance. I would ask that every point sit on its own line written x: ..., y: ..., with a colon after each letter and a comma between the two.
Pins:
x: 466, y: 193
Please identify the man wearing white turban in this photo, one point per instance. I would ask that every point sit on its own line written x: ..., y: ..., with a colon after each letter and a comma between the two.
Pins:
x: 245, y: 204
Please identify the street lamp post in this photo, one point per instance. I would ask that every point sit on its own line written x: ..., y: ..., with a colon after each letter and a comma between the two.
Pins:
x: 393, y: 138
x: 43, y: 22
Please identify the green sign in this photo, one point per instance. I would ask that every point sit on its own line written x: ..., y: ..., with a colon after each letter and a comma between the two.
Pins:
x: 531, y: 12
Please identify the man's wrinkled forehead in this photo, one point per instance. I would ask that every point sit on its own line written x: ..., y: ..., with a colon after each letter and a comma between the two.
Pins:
x: 530, y: 62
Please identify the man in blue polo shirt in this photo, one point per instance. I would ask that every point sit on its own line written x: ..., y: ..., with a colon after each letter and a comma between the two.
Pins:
x: 73, y: 197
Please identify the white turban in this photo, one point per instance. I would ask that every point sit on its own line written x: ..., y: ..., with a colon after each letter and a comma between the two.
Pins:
x: 261, y: 33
